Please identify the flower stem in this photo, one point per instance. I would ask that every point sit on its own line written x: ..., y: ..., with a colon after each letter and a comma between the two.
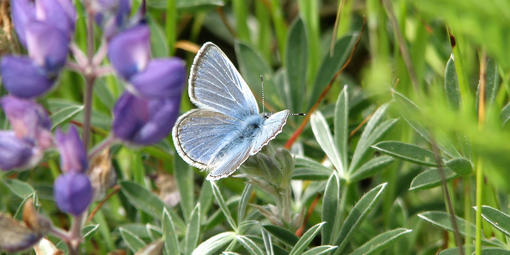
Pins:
x: 107, y: 142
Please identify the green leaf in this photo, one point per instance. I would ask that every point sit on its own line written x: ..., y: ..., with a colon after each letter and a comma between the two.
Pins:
x: 357, y: 214
x: 169, y: 234
x: 374, y: 129
x: 211, y: 245
x: 496, y: 218
x: 492, y: 81
x: 19, y: 188
x: 205, y: 199
x: 381, y: 241
x: 245, y: 197
x: 430, y: 178
x: 494, y: 251
x: 323, y: 249
x: 252, y: 65
x: 322, y: 134
x: 192, y: 230
x: 146, y: 201
x: 341, y: 133
x: 103, y: 93
x: 505, y: 114
x: 308, y: 169
x: 461, y: 166
x: 306, y: 239
x: 451, y: 84
x: 159, y: 46
x: 223, y: 206
x: 296, y: 63
x: 184, y: 178
x: 370, y: 168
x: 282, y: 234
x: 331, y: 64
x: 134, y: 242
x: 87, y: 231
x: 268, y: 243
x: 408, y: 152
x: 442, y: 220
x: 65, y: 114
x: 330, y: 203
x: 249, y: 245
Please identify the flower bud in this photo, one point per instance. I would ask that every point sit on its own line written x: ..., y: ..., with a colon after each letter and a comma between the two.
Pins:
x: 28, y: 120
x: 73, y: 157
x: 73, y: 192
x: 24, y: 78
x: 23, y: 11
x: 47, y: 46
x: 16, y: 153
x: 161, y: 78
x: 129, y: 51
x: 142, y: 121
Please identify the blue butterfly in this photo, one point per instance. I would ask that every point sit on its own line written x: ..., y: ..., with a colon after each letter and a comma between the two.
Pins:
x: 227, y: 127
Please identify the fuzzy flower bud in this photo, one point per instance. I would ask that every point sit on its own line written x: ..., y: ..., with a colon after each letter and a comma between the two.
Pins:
x: 73, y: 157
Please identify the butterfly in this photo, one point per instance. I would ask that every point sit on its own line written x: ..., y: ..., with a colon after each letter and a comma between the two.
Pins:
x: 227, y: 127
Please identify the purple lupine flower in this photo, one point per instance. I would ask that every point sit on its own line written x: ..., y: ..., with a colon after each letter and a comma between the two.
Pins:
x: 28, y: 120
x: 73, y: 156
x: 45, y: 28
x: 47, y: 46
x: 112, y: 15
x: 144, y: 121
x: 59, y: 13
x: 129, y: 51
x: 162, y: 78
x: 72, y: 192
x: 16, y: 153
x: 23, y: 78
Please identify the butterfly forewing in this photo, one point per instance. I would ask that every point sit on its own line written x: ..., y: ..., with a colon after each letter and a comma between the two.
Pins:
x: 215, y: 84
x: 272, y: 127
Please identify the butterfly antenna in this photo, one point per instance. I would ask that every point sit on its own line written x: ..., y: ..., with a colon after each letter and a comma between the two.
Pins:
x: 262, y: 82
x: 298, y: 114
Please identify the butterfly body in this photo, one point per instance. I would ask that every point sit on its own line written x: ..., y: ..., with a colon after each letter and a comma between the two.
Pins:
x: 227, y: 127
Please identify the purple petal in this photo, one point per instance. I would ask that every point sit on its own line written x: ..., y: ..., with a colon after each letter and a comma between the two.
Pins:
x: 23, y: 78
x: 55, y: 14
x: 130, y: 114
x: 129, y: 51
x: 23, y: 11
x: 47, y: 45
x: 161, y: 78
x: 28, y: 120
x: 142, y: 121
x: 14, y: 152
x: 163, y: 115
x: 73, y: 192
x: 73, y: 157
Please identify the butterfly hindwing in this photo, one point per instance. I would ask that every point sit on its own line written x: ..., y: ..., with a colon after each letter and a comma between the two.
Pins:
x: 199, y: 133
x: 215, y: 84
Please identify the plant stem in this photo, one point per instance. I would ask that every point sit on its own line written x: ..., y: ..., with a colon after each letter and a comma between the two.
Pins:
x: 449, y: 205
x: 107, y: 142
x: 479, y: 165
x: 467, y: 213
x: 90, y: 77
